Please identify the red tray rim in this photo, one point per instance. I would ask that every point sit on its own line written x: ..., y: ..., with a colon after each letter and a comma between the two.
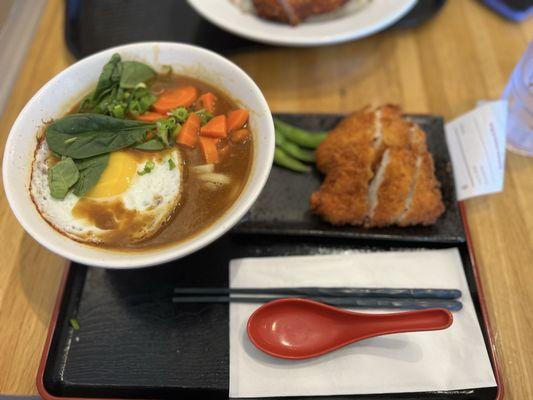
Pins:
x: 493, y: 353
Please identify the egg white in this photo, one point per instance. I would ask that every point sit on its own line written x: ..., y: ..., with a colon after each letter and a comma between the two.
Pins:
x: 152, y: 196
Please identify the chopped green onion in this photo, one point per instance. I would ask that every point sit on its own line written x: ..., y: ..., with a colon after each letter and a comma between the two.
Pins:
x: 74, y: 323
x: 118, y: 111
x: 180, y: 114
x: 148, y: 167
x: 171, y: 164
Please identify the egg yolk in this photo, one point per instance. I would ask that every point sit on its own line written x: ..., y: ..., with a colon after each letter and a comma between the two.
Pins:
x: 116, y: 177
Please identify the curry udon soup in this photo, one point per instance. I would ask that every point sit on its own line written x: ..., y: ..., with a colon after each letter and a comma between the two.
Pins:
x: 144, y: 160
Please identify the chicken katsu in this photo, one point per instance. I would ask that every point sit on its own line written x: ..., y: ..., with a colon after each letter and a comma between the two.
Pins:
x: 378, y: 172
x: 294, y: 11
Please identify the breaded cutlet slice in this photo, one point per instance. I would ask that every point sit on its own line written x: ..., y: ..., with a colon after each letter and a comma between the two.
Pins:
x: 357, y: 127
x: 343, y: 196
x: 417, y: 139
x: 423, y: 204
x: 392, y: 130
x: 294, y: 11
x: 390, y: 187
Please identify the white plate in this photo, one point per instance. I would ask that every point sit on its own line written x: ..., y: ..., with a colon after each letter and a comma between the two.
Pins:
x: 358, y: 18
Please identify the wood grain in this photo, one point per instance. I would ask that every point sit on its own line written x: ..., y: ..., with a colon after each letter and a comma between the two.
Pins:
x: 464, y: 54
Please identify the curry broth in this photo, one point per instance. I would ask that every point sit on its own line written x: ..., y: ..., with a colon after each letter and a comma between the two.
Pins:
x: 198, y: 207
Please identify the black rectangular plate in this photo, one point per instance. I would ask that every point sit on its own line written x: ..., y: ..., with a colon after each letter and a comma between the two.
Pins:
x: 283, y: 206
x: 133, y: 342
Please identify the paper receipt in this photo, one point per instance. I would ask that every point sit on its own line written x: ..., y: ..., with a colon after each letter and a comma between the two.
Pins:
x: 476, y: 142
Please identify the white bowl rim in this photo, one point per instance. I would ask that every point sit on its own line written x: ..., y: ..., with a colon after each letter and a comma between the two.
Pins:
x: 169, y: 252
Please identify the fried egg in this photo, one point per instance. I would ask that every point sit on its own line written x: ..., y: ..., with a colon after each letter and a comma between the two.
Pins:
x: 124, y: 207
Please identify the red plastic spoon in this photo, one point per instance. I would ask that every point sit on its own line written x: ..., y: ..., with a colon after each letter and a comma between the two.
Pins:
x: 299, y: 328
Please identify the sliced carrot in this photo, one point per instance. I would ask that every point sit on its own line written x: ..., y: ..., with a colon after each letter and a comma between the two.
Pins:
x: 215, y: 128
x: 209, y: 150
x: 173, y: 98
x: 239, y: 136
x: 149, y: 116
x: 188, y: 135
x: 207, y: 101
x: 237, y: 119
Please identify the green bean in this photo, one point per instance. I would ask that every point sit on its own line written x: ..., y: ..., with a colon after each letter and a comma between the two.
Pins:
x: 292, y: 149
x: 300, y: 136
x: 284, y: 160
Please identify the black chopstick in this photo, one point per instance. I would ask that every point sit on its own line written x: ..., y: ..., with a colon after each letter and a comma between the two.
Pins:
x: 402, y: 293
x: 352, y: 302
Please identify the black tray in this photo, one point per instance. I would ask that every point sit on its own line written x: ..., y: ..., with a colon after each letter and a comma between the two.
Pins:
x: 283, y: 207
x: 135, y: 343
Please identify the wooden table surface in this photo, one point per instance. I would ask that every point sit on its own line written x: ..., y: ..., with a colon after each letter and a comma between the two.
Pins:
x: 464, y: 54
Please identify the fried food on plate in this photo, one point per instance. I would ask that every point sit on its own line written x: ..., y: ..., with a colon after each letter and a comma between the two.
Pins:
x: 343, y: 195
x: 294, y: 11
x: 378, y: 172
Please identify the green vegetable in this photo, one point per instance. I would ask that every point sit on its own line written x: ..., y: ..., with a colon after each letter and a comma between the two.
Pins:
x: 140, y: 101
x: 284, y: 160
x: 180, y: 114
x: 109, y: 77
x: 90, y: 169
x: 120, y: 89
x: 298, y: 135
x: 171, y: 164
x: 74, y: 323
x: 154, y: 144
x: 204, y: 115
x: 95, y: 134
x: 164, y: 128
x: 292, y: 149
x: 148, y: 167
x: 118, y: 111
x: 133, y: 73
x: 61, y: 177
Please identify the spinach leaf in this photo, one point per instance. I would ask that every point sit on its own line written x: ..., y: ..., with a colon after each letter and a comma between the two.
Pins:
x: 95, y: 134
x: 91, y: 170
x: 61, y: 177
x: 133, y: 73
x: 154, y: 144
x: 111, y: 73
x: 109, y: 77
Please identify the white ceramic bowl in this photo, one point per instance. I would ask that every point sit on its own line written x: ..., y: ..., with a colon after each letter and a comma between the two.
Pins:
x: 65, y: 89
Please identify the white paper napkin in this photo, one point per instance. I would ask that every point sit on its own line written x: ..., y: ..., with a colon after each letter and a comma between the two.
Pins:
x: 451, y: 359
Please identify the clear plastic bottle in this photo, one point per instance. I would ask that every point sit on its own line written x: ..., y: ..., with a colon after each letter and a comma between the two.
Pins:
x: 519, y: 94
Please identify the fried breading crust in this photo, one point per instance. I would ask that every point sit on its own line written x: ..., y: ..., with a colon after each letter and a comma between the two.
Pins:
x: 342, y: 198
x: 357, y: 128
